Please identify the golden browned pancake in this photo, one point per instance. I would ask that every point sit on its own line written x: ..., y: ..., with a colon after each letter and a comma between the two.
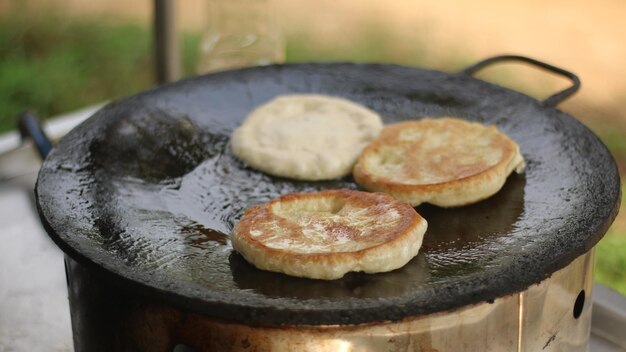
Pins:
x: 447, y: 162
x: 324, y: 235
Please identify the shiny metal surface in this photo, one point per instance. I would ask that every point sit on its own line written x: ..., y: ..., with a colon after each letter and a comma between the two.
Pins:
x: 550, y: 322
x: 538, y: 319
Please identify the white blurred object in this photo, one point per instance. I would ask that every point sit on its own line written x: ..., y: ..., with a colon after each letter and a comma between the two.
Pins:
x: 34, y: 314
x: 240, y: 33
x: 34, y: 310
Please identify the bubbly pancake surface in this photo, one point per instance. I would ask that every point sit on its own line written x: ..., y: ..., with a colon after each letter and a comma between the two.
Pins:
x: 446, y: 162
x: 305, y: 137
x: 327, y: 234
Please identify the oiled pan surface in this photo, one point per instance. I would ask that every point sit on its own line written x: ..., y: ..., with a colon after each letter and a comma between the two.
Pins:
x: 148, y: 190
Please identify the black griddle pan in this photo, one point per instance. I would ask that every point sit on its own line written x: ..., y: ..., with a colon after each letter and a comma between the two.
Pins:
x: 147, y: 190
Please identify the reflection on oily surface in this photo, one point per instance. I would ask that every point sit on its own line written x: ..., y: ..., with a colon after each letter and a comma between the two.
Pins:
x: 455, y: 229
x: 199, y: 236
x: 353, y: 285
x: 151, y: 145
x: 453, y: 245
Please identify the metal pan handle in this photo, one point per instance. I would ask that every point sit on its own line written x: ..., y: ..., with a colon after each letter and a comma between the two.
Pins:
x: 552, y: 100
x: 30, y: 127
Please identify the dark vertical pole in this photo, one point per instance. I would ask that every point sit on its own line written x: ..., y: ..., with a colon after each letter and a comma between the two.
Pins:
x: 166, y: 42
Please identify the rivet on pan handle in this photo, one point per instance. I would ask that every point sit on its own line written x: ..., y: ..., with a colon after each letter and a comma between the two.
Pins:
x: 552, y: 100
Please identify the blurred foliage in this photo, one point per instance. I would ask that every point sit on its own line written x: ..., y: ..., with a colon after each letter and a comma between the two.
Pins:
x: 53, y: 65
x: 375, y: 44
x: 611, y: 262
x: 615, y: 140
x: 611, y: 252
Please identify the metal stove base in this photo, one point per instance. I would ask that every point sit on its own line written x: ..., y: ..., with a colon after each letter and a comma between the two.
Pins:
x: 554, y: 315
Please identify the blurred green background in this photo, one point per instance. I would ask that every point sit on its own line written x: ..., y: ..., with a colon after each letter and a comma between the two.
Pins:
x: 54, y: 62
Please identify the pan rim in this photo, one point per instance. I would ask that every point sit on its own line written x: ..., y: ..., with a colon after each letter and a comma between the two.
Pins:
x: 216, y: 307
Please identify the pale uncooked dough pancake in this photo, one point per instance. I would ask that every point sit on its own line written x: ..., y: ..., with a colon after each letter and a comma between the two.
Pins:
x: 305, y: 137
x: 324, y: 235
x: 447, y: 162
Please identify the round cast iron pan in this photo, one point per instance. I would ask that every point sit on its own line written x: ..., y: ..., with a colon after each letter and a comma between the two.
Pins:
x: 147, y: 191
